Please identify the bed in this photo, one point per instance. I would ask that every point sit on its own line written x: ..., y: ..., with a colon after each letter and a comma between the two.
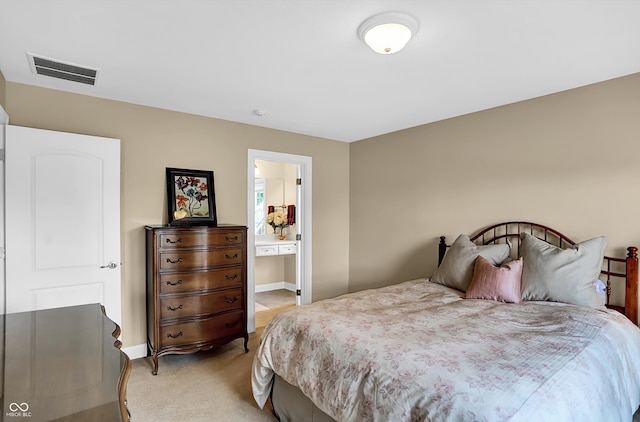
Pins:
x: 517, y: 323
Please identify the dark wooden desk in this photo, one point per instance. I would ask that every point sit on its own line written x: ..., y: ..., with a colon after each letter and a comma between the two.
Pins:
x: 64, y: 364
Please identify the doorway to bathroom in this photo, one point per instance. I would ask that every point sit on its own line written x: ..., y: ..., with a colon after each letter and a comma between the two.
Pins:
x: 279, y: 235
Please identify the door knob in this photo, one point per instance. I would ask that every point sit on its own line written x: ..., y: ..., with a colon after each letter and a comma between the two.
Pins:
x: 111, y: 265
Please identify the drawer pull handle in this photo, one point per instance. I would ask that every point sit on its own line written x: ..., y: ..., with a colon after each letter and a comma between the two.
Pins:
x: 176, y: 336
x: 235, y: 299
x: 174, y: 262
x: 169, y: 308
x: 231, y: 277
x: 235, y: 256
x: 231, y: 324
x: 231, y: 239
x: 174, y: 242
x: 169, y: 283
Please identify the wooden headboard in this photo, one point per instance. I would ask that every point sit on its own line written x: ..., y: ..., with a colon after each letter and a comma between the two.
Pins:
x: 613, y: 268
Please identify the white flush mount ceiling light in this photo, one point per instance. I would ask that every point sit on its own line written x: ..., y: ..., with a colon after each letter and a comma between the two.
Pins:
x: 388, y: 33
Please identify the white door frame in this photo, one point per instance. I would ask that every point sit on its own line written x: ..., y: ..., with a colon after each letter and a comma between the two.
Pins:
x: 4, y: 121
x: 304, y: 207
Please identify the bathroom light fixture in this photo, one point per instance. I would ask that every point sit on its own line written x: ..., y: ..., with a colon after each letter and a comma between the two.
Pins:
x: 388, y: 33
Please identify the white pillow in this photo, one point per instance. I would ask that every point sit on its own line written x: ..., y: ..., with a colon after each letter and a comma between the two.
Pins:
x: 457, y: 265
x: 562, y: 275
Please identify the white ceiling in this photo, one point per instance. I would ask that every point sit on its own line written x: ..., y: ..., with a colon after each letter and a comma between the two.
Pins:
x: 302, y: 61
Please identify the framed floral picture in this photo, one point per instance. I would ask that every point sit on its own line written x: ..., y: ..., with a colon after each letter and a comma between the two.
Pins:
x: 191, y: 197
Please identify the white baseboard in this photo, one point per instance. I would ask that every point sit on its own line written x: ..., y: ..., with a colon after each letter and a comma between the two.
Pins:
x: 136, y: 352
x: 275, y: 286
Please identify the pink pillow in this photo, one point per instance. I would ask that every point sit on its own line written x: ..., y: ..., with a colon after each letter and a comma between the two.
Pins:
x: 496, y: 283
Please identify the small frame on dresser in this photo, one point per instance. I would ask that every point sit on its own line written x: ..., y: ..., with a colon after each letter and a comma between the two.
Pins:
x: 191, y: 198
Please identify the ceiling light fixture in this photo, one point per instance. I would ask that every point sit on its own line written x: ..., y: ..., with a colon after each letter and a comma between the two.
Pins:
x: 388, y: 33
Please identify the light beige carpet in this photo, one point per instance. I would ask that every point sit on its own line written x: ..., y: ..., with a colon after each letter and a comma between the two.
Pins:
x: 206, y: 386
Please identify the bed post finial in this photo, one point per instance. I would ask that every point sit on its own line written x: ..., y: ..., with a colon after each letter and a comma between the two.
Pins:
x: 442, y: 249
x: 631, y: 295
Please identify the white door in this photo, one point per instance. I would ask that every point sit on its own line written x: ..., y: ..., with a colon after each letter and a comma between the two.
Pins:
x: 4, y: 121
x: 62, y: 196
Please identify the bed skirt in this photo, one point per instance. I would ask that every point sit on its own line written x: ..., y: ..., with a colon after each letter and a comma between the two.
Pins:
x: 290, y: 405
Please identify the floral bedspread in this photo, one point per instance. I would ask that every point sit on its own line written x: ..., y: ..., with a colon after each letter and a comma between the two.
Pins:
x: 417, y: 351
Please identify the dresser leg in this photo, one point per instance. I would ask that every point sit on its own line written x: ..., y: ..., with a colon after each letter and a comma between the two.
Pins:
x: 246, y: 342
x: 155, y: 364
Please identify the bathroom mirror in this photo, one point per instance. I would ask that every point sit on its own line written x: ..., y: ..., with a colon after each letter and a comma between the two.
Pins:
x: 275, y: 186
x: 260, y: 205
x: 269, y: 191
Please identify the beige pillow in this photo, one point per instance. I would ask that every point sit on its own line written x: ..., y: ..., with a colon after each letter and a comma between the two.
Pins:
x: 562, y: 275
x: 456, y: 268
x: 496, y: 283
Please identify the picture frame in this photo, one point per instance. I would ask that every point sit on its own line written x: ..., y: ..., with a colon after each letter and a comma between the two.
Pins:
x: 191, y: 199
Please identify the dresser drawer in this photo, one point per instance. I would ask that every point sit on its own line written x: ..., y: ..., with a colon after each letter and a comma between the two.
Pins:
x: 194, y: 305
x: 267, y: 250
x: 201, y: 259
x: 188, y: 240
x: 286, y: 249
x: 275, y: 249
x: 203, y: 280
x: 231, y: 324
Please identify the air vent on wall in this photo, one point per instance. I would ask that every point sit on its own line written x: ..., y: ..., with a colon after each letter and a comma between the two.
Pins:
x: 61, y: 70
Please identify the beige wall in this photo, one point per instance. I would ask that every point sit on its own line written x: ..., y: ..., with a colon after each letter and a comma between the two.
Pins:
x: 153, y: 139
x: 275, y: 269
x: 569, y: 160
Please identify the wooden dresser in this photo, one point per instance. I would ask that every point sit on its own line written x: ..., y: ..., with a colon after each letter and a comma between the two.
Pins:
x: 196, y: 288
x: 64, y: 364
